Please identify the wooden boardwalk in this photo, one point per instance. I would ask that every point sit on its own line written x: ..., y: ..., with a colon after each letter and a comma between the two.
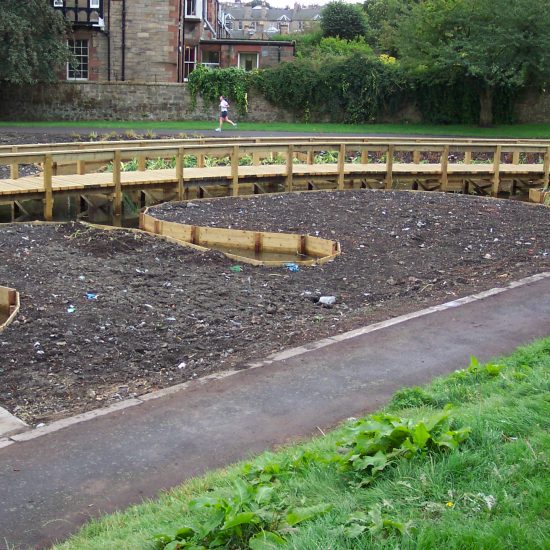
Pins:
x: 457, y: 169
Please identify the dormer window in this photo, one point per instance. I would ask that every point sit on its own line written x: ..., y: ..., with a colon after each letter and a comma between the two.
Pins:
x: 284, y: 18
x: 57, y: 3
x: 94, y: 4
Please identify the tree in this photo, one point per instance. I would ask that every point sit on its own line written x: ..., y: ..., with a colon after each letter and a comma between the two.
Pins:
x: 383, y: 16
x: 491, y: 43
x: 32, y: 41
x: 343, y: 20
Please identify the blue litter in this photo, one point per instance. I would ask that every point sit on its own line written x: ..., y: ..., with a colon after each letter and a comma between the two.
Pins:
x: 71, y: 309
x: 91, y: 295
x: 292, y: 267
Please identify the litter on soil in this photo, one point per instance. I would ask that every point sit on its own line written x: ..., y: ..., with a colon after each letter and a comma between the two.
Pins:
x: 165, y: 314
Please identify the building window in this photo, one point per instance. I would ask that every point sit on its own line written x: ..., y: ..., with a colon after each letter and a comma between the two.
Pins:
x: 211, y: 59
x: 57, y: 3
x: 240, y: 25
x: 189, y: 61
x: 248, y: 61
x: 192, y: 8
x: 94, y: 4
x: 78, y: 68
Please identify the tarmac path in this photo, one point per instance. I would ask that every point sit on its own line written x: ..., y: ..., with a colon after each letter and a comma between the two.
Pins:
x: 50, y: 483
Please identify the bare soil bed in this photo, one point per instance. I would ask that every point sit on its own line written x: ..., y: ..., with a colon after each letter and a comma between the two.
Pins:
x: 165, y: 314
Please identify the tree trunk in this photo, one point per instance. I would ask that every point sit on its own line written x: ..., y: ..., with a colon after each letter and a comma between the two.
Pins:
x: 486, y: 107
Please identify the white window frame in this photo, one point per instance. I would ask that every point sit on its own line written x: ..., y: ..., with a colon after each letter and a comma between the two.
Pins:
x: 58, y: 3
x: 248, y: 53
x: 198, y: 10
x: 69, y: 68
x: 94, y: 4
x: 187, y: 64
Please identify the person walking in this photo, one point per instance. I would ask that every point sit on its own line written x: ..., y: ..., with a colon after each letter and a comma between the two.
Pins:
x: 224, y: 108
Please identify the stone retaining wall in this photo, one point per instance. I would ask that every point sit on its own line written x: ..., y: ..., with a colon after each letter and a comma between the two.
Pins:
x: 121, y: 101
x: 166, y: 101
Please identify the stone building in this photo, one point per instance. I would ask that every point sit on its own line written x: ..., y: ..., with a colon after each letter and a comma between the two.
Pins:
x: 154, y: 40
x: 261, y: 22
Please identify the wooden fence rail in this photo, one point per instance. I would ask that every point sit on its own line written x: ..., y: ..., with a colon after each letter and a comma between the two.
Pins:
x: 384, y: 160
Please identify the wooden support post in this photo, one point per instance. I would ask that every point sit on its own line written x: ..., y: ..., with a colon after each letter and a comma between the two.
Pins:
x: 444, y: 168
x: 14, y: 168
x: 142, y: 163
x: 200, y: 160
x: 48, y: 191
x: 515, y: 157
x: 496, y: 171
x: 310, y: 156
x: 468, y: 157
x: 117, y: 199
x: 416, y: 156
x: 389, y: 168
x: 341, y: 161
x: 80, y: 167
x: 546, y: 168
x: 179, y: 172
x: 290, y: 168
x: 235, y: 170
x: 364, y: 155
x: 256, y: 156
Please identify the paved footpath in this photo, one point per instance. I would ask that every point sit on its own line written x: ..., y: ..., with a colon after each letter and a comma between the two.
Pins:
x: 53, y: 482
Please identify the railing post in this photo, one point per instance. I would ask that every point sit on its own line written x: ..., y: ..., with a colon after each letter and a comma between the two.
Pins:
x: 179, y: 172
x: 48, y: 191
x: 496, y: 170
x: 364, y: 155
x: 416, y: 156
x: 445, y: 168
x: 515, y: 157
x: 235, y: 170
x: 389, y: 168
x: 546, y: 168
x: 117, y: 199
x: 255, y: 155
x: 80, y: 164
x: 310, y: 156
x: 341, y: 161
x: 14, y: 167
x: 290, y: 168
x: 468, y: 157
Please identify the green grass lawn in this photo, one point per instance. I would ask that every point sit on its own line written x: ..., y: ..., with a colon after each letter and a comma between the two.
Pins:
x: 511, y: 131
x: 491, y: 492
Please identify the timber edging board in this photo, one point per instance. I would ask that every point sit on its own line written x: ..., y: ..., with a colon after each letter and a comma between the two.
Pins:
x: 9, y: 306
x: 321, y: 250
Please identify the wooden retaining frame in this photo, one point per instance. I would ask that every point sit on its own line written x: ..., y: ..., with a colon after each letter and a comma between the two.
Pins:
x: 9, y: 306
x: 257, y: 242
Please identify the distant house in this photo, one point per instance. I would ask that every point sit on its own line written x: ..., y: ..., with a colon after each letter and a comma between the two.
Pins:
x: 261, y: 22
x: 156, y: 40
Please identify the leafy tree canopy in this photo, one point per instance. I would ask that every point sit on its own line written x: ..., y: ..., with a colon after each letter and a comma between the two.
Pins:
x: 32, y: 41
x: 492, y: 43
x: 343, y: 20
x: 383, y: 16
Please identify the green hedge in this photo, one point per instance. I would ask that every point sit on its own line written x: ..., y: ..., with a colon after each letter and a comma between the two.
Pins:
x: 355, y: 89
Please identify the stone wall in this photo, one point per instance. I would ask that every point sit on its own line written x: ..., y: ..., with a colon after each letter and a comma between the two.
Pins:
x: 121, y: 101
x: 170, y: 101
x: 533, y: 107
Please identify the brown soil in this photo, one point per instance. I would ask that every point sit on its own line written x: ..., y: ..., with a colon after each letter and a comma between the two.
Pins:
x: 165, y: 314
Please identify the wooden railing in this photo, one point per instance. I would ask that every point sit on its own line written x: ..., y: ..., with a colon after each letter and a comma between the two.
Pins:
x: 386, y: 158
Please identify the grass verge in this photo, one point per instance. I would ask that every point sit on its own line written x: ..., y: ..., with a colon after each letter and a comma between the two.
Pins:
x: 502, y: 131
x: 492, y: 492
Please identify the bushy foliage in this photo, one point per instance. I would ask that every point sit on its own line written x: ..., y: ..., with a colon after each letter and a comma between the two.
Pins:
x: 233, y: 83
x: 491, y: 44
x: 356, y: 88
x: 32, y: 41
x: 338, y: 46
x: 343, y: 20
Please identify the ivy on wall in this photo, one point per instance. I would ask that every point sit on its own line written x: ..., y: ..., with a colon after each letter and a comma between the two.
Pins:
x: 359, y: 88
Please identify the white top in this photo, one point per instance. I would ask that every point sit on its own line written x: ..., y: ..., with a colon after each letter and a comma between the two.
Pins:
x: 224, y: 105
